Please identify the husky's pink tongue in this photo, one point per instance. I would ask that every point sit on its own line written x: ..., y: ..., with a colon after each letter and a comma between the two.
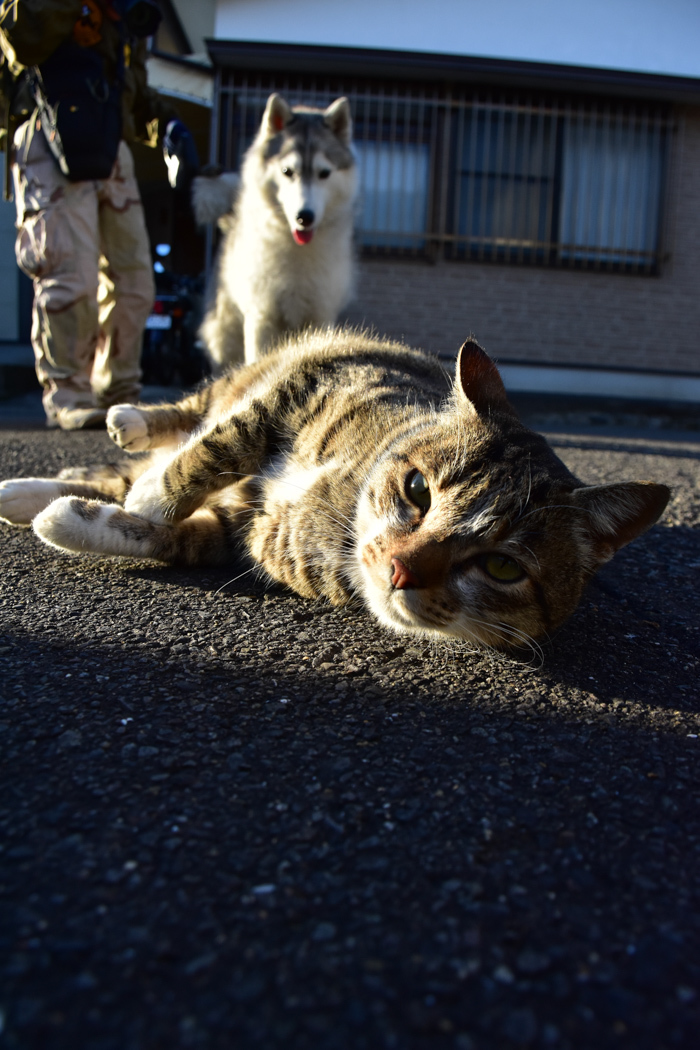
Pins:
x: 302, y: 236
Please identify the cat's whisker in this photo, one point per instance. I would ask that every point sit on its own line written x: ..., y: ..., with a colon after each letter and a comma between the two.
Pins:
x: 507, y: 632
x: 530, y: 551
x: 470, y: 646
x: 526, y: 641
x: 529, y: 488
x: 253, y: 569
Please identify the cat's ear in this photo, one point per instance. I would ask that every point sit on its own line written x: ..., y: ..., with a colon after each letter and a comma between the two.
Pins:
x: 478, y: 380
x: 614, y: 515
x: 277, y: 115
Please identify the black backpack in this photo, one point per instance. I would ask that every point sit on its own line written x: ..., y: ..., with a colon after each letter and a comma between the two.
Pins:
x: 80, y: 111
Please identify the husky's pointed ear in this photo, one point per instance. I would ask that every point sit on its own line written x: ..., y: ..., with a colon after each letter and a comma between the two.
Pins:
x: 614, y: 515
x: 277, y: 115
x: 478, y: 382
x: 339, y: 120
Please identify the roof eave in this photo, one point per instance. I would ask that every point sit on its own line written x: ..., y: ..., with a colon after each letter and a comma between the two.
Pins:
x: 432, y: 66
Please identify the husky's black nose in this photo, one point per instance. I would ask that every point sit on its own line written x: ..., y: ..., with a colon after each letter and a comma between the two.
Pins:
x: 305, y: 218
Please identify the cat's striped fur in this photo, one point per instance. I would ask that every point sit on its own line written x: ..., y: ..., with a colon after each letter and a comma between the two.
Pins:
x: 352, y: 468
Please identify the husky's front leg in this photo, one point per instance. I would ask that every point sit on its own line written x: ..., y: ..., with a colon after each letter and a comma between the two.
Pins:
x: 260, y: 333
x: 172, y: 491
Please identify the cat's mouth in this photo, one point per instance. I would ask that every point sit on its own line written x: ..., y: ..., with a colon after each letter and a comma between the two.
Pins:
x: 397, y: 609
x: 409, y: 609
x: 405, y: 611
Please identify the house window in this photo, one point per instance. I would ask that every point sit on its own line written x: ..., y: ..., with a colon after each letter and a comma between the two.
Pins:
x: 504, y: 182
x: 611, y: 186
x: 392, y: 143
x: 484, y: 175
x: 393, y: 194
x: 557, y: 185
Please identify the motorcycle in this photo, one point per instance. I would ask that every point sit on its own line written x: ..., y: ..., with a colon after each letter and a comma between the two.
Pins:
x: 171, y: 353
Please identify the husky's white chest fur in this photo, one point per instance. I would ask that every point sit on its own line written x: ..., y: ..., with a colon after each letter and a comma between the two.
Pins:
x: 287, y: 257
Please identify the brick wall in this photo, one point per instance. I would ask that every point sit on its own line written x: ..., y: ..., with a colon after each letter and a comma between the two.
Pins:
x: 556, y: 316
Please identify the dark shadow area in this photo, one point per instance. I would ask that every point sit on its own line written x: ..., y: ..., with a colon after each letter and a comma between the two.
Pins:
x: 638, y: 445
x: 639, y: 616
x: 268, y: 860
x: 233, y: 817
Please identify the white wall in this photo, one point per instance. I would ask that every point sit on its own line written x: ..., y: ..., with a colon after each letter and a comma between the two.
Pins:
x: 197, y: 18
x: 652, y: 36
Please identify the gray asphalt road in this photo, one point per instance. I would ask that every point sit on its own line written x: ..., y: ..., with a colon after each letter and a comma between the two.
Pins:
x: 232, y: 818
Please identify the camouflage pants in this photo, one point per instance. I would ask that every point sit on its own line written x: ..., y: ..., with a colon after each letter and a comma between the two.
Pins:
x: 86, y: 247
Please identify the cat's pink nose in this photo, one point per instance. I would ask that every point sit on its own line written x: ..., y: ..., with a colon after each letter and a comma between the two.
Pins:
x: 402, y: 576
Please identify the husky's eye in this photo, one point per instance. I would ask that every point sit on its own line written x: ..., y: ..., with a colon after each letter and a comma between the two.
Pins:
x: 324, y: 173
x: 288, y: 172
x: 418, y: 490
x: 501, y: 568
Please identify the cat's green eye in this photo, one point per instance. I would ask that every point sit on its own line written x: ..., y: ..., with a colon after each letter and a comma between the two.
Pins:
x: 501, y: 568
x: 418, y: 490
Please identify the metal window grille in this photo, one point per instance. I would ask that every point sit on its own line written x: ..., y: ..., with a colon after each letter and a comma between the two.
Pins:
x: 486, y: 175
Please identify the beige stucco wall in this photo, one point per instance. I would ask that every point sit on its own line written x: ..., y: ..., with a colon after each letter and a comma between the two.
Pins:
x: 556, y: 316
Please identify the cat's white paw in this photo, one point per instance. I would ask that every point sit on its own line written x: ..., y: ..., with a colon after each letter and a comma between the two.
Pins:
x: 127, y: 428
x: 147, y: 497
x: 21, y: 499
x: 86, y: 526
x: 53, y: 524
x: 66, y: 522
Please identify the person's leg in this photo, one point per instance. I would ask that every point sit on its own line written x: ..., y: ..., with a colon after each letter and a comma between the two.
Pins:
x: 127, y: 288
x: 57, y: 247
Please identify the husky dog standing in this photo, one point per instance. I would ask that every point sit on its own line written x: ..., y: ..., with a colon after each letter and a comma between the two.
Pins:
x: 286, y: 261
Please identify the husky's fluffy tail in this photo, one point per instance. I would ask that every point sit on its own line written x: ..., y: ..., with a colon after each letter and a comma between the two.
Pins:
x: 213, y: 196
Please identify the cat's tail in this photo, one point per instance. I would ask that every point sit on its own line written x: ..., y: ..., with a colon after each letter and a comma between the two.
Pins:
x: 213, y: 197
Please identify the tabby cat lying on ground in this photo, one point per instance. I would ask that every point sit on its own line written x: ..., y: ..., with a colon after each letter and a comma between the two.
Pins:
x: 347, y: 468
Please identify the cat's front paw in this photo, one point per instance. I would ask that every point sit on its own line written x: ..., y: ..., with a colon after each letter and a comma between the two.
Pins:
x: 128, y: 428
x: 147, y: 497
x: 21, y: 499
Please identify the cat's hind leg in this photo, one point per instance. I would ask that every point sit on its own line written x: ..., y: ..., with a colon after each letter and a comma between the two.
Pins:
x: 108, y: 479
x: 21, y: 499
x: 90, y: 527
